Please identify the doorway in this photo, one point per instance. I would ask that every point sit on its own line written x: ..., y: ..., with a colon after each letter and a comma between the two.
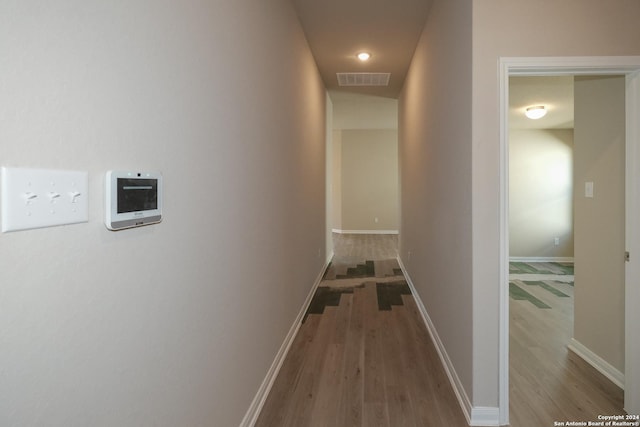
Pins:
x: 362, y: 165
x: 550, y: 348
x: 630, y: 68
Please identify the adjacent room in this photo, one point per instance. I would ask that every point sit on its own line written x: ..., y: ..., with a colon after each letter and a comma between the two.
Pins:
x: 564, y: 133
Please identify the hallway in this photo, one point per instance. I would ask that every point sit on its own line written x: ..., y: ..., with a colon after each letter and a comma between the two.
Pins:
x: 183, y: 322
x: 362, y: 356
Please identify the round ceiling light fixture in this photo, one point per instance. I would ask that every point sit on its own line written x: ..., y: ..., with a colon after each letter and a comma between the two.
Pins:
x: 536, y: 112
x: 363, y: 56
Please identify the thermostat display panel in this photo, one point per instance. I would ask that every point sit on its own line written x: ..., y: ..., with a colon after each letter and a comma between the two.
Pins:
x: 133, y: 199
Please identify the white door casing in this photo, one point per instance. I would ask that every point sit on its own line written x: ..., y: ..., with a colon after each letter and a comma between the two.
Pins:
x: 541, y: 66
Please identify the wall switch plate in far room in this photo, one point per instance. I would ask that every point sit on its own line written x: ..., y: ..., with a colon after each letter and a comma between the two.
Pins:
x: 588, y: 190
x: 36, y: 198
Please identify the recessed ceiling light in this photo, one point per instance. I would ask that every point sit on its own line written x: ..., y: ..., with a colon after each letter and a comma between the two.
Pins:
x: 364, y: 56
x: 536, y: 112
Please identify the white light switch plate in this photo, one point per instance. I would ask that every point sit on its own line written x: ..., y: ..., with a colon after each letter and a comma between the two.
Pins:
x: 35, y: 198
x: 588, y: 190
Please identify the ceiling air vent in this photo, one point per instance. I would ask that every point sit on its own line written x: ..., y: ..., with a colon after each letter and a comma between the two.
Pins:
x: 363, y: 79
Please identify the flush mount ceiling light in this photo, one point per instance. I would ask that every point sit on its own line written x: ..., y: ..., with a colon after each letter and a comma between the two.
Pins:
x: 536, y: 112
x: 363, y: 56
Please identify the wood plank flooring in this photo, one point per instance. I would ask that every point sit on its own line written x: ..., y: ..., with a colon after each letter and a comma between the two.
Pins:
x: 359, y: 247
x: 357, y: 365
x: 547, y: 381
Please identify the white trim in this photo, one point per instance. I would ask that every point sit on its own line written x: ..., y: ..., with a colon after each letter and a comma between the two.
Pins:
x: 485, y: 416
x: 503, y: 327
x: 540, y: 259
x: 538, y: 66
x: 476, y: 416
x: 328, y: 260
x: 571, y: 65
x: 601, y: 365
x: 632, y: 268
x: 253, y: 412
x: 336, y: 230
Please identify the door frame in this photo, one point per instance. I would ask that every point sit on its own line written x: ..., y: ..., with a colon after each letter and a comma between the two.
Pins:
x: 545, y: 66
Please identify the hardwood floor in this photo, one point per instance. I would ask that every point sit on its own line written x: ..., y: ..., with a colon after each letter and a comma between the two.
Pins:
x: 362, y: 358
x: 547, y: 381
x: 355, y: 365
x: 368, y: 361
x: 351, y: 248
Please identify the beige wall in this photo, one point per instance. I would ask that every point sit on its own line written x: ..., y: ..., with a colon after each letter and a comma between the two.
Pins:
x: 175, y: 323
x: 599, y: 221
x: 435, y: 179
x: 369, y: 180
x: 541, y: 193
x: 503, y: 28
x: 365, y: 163
x: 356, y: 111
x: 337, y: 179
x: 329, y: 188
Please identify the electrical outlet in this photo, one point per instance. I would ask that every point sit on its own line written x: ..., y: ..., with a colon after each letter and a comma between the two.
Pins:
x: 36, y: 198
x: 556, y: 241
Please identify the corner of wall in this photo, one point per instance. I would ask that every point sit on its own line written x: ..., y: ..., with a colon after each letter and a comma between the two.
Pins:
x: 252, y: 414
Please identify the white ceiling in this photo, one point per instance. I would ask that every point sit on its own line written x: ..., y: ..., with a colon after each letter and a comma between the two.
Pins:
x: 554, y: 92
x: 338, y: 29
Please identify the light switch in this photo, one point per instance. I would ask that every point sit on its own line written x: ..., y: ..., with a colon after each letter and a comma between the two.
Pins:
x: 53, y: 196
x: 35, y: 198
x: 29, y: 197
x: 73, y: 196
x: 588, y: 189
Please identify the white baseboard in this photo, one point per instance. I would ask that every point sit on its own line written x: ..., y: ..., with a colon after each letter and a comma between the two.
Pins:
x: 540, y: 259
x: 336, y: 230
x: 601, y: 365
x: 253, y: 412
x: 328, y: 259
x: 485, y: 416
x: 476, y: 416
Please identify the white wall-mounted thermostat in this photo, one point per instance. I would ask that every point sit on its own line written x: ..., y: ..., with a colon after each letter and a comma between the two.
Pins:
x: 133, y: 199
